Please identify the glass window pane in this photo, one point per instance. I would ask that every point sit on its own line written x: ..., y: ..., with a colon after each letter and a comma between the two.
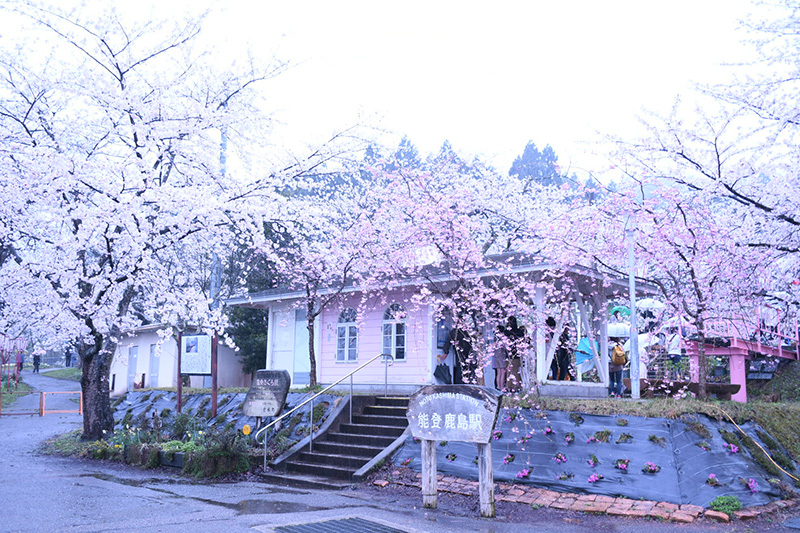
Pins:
x: 400, y: 340
x: 401, y: 328
x: 387, y: 330
x: 353, y: 331
x: 348, y: 315
x: 400, y: 354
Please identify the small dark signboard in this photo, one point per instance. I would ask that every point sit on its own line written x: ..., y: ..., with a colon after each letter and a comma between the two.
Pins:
x: 267, y: 394
x: 465, y: 413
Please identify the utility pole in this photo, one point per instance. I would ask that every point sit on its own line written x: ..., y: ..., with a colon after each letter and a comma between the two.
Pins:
x: 630, y: 234
x: 216, y: 275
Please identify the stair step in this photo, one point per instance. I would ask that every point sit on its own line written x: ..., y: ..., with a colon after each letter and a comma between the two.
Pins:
x: 394, y: 401
x: 303, y: 481
x: 328, y: 459
x: 377, y: 420
x: 320, y: 470
x: 369, y: 429
x: 386, y: 410
x: 345, y: 448
x: 381, y: 441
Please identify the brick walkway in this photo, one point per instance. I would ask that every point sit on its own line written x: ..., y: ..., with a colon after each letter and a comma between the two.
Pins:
x: 587, y: 503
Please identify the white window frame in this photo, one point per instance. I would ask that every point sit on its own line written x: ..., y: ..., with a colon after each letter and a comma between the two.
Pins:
x: 394, y: 323
x: 347, y: 330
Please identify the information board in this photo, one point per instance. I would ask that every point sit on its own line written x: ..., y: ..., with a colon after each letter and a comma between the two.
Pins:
x: 196, y: 355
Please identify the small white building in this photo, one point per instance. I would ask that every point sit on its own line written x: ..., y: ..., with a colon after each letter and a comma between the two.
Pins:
x: 401, y: 321
x: 144, y: 360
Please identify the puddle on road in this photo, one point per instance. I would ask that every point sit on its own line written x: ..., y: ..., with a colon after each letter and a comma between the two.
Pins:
x: 271, y: 507
x: 149, y: 482
x: 242, y: 507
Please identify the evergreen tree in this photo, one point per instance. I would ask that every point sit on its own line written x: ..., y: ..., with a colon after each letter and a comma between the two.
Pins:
x: 406, y: 155
x: 535, y: 166
x: 248, y: 328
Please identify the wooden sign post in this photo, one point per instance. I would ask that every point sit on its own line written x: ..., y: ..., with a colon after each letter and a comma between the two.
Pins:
x: 465, y: 413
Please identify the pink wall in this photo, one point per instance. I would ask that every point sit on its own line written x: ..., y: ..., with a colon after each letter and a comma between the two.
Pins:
x: 416, y: 369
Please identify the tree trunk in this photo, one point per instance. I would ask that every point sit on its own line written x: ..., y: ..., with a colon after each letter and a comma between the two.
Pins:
x: 312, y: 359
x: 702, y: 363
x: 98, y: 419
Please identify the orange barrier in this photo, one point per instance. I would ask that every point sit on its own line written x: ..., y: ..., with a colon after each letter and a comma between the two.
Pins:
x: 42, y: 404
x: 43, y: 411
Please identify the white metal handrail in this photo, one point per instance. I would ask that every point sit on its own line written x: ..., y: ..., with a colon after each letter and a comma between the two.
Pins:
x: 386, y: 357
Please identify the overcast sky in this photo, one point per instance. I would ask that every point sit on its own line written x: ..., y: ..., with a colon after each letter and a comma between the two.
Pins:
x: 487, y: 76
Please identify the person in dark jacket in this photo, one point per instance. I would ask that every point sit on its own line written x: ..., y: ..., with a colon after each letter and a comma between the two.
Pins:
x: 561, y: 359
x: 464, y: 365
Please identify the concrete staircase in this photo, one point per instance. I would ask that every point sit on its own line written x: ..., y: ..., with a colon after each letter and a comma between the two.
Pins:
x: 341, y: 452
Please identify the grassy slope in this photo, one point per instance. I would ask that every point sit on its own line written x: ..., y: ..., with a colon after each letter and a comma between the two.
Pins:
x: 785, y: 385
x: 8, y: 398
x: 72, y: 374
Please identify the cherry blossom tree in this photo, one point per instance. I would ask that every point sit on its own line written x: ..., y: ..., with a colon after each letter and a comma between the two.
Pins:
x: 445, y: 224
x: 712, y: 189
x: 114, y: 191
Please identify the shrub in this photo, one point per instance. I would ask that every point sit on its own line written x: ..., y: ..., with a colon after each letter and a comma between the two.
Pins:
x: 185, y: 427
x: 127, y: 419
x: 600, y: 436
x: 625, y: 437
x: 101, y: 449
x: 224, y: 452
x: 699, y: 429
x: 725, y: 504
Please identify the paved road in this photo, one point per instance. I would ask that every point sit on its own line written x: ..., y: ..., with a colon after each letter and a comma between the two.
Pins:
x: 57, y: 494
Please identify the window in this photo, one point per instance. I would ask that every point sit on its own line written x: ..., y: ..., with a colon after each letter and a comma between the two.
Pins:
x: 394, y: 332
x: 347, y: 336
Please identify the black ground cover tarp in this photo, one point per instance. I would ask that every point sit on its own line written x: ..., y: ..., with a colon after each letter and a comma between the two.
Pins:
x: 229, y: 410
x: 669, y: 444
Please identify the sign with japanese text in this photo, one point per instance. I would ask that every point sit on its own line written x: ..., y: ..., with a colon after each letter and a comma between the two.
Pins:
x: 267, y: 394
x: 196, y: 355
x: 465, y: 413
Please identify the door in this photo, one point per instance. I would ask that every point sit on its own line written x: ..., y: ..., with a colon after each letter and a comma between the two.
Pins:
x: 302, y: 365
x: 133, y: 356
x: 154, y: 362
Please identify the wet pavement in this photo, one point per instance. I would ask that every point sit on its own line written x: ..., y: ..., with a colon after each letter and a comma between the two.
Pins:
x: 60, y: 494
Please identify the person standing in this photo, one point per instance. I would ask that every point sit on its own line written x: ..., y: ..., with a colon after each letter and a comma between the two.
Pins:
x: 37, y: 359
x: 675, y: 352
x: 68, y: 357
x: 516, y: 341
x: 463, y: 364
x: 616, y: 363
x: 559, y: 368
x: 500, y: 358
